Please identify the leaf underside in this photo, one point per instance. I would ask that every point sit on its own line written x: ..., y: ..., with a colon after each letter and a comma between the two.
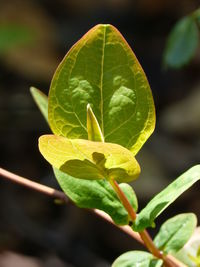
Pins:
x: 101, y: 70
x: 97, y: 194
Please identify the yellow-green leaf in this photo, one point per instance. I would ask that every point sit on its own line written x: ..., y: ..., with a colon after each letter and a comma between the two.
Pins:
x: 93, y: 128
x: 101, y: 70
x: 89, y: 160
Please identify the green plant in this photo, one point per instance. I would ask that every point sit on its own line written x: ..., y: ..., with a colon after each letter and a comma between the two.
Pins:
x: 182, y: 41
x: 101, y: 112
x: 13, y: 35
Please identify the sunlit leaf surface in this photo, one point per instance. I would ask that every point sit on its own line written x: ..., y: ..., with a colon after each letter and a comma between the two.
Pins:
x: 89, y: 160
x: 101, y: 70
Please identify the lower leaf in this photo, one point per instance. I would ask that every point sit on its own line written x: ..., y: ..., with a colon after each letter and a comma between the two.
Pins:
x: 190, y: 253
x: 97, y: 194
x: 136, y: 259
x: 175, y: 232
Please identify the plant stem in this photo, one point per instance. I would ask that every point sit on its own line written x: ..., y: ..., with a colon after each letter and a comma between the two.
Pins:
x: 33, y: 185
x: 60, y: 195
x: 150, y: 245
x: 143, y: 234
x: 124, y: 200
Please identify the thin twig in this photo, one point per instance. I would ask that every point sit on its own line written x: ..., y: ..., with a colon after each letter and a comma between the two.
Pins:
x: 33, y: 185
x: 56, y: 194
x: 126, y: 229
x: 61, y: 196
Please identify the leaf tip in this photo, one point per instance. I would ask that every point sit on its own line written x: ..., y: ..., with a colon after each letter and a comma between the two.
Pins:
x: 88, y: 107
x: 32, y: 89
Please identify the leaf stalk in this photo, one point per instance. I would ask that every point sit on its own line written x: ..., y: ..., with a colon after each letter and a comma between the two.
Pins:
x: 148, y: 242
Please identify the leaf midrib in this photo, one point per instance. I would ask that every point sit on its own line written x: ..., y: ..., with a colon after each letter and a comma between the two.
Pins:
x: 101, y: 80
x: 164, y: 246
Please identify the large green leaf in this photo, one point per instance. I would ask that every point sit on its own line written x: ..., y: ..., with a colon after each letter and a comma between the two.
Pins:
x: 101, y: 69
x: 89, y: 160
x: 137, y: 259
x: 175, y: 232
x: 182, y: 43
x: 161, y: 201
x: 97, y: 194
x: 41, y: 100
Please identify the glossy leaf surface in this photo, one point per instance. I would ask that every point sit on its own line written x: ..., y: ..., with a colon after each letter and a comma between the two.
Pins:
x: 101, y: 70
x: 136, y: 259
x: 175, y: 232
x: 161, y: 201
x: 89, y: 160
x: 182, y: 43
x: 97, y: 194
x: 41, y: 100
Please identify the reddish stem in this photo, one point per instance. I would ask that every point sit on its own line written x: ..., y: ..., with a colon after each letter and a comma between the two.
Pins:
x: 168, y: 260
x: 123, y: 199
x: 144, y: 234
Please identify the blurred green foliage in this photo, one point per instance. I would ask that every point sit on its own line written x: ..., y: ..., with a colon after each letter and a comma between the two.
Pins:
x: 14, y: 35
x: 182, y: 41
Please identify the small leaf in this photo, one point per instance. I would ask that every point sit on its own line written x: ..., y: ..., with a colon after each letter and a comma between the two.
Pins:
x: 136, y: 259
x: 41, y: 100
x: 97, y: 194
x: 93, y: 128
x: 161, y: 201
x: 175, y: 232
x: 182, y: 43
x: 89, y: 160
x: 101, y: 69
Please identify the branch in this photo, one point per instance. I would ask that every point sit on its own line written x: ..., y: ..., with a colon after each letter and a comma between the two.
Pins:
x: 33, y: 185
x: 56, y: 194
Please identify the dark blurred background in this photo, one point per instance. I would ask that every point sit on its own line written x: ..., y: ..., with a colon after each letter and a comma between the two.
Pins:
x: 34, y: 231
